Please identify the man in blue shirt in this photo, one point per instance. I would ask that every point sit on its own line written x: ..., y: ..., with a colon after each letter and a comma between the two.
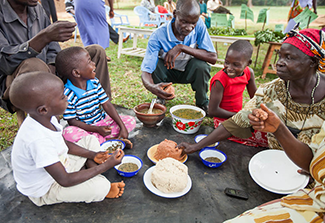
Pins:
x: 178, y: 52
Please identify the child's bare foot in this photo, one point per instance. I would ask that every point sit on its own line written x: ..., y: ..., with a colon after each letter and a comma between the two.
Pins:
x: 117, y: 189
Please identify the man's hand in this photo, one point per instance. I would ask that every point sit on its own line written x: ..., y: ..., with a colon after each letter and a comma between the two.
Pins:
x: 103, y: 130
x: 264, y: 119
x: 101, y: 157
x: 60, y: 31
x: 171, y: 56
x: 158, y: 90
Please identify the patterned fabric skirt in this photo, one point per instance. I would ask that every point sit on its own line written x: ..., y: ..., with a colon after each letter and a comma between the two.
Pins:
x: 258, y: 138
x: 274, y: 212
x: 74, y: 134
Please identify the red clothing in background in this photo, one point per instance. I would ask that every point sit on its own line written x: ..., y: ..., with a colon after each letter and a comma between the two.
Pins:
x: 232, y: 100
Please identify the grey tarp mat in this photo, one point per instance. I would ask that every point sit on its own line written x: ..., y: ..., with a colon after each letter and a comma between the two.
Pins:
x: 205, y: 202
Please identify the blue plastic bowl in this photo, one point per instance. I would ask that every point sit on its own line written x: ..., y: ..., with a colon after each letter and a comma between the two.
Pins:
x: 105, y: 145
x: 212, y: 153
x: 129, y: 159
x: 198, y: 138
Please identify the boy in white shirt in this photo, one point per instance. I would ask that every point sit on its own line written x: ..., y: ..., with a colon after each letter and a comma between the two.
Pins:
x: 47, y: 168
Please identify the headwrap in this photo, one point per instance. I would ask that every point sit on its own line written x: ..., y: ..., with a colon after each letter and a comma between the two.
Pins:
x: 309, y: 41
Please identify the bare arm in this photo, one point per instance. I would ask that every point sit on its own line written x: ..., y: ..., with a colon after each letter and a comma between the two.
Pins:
x: 58, y: 172
x: 251, y: 86
x: 217, y: 135
x: 297, y: 151
x: 111, y: 6
x: 216, y: 96
x: 315, y: 6
x: 111, y: 111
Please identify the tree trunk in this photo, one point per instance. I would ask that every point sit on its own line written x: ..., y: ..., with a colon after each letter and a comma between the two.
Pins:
x: 227, y: 3
x: 250, y: 3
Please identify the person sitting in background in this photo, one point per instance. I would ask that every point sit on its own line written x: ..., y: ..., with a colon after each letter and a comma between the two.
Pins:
x: 204, y: 14
x: 89, y: 111
x: 305, y: 205
x: 170, y: 6
x: 297, y: 96
x: 46, y: 168
x: 227, y: 88
x: 149, y: 5
x: 178, y: 52
x: 297, y: 6
x: 215, y: 6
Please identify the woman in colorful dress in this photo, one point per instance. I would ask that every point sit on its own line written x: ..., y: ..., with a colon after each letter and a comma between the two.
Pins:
x: 297, y: 96
x: 306, y: 205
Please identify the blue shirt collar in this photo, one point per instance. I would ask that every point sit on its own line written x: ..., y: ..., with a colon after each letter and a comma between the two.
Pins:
x: 78, y: 91
x: 171, y: 35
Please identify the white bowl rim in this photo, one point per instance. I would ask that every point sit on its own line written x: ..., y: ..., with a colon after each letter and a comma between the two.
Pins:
x: 203, y: 136
x: 129, y: 156
x: 216, y: 151
x: 175, y: 107
x: 112, y: 140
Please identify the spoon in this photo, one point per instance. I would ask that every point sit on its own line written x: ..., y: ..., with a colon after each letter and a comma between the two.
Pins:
x: 151, y: 106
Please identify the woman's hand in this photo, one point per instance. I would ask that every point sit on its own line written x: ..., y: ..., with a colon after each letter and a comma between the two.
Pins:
x: 101, y: 157
x: 264, y: 119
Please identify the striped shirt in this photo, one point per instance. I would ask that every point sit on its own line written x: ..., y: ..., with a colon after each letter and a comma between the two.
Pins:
x: 84, y: 105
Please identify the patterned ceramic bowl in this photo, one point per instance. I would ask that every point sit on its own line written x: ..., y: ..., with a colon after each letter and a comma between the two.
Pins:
x: 186, y: 126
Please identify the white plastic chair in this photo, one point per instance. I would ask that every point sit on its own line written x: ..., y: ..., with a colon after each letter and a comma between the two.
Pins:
x: 146, y: 17
x: 118, y: 19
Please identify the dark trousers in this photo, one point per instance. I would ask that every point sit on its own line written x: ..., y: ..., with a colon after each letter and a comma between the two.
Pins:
x: 50, y: 9
x: 197, y: 73
x: 113, y: 35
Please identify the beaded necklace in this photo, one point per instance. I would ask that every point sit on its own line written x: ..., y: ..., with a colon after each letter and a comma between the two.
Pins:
x: 312, y: 103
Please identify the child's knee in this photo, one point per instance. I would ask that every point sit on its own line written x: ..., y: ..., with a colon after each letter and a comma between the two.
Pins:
x: 89, y: 142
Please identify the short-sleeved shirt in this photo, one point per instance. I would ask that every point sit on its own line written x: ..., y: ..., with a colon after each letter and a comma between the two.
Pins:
x: 164, y: 39
x: 36, y: 147
x: 84, y: 105
x: 232, y: 99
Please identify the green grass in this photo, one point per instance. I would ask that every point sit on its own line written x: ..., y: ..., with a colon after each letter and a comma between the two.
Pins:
x: 125, y: 73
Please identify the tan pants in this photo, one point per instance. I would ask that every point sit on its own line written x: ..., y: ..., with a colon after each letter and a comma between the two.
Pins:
x: 92, y: 190
x: 97, y: 54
